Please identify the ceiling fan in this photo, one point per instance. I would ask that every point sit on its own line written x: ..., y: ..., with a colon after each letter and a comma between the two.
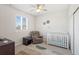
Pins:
x: 39, y: 7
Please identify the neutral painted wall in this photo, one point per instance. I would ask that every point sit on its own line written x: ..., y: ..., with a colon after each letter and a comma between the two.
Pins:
x: 8, y: 23
x: 58, y: 22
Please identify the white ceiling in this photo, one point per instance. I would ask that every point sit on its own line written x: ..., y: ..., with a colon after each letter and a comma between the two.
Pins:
x: 51, y: 8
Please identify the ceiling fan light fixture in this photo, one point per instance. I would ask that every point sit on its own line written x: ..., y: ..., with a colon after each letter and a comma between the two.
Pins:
x: 38, y: 10
x: 39, y: 7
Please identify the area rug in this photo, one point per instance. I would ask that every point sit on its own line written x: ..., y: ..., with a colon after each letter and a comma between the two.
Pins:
x: 40, y: 47
x: 22, y: 53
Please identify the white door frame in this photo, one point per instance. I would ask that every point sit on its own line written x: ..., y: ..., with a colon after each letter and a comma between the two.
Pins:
x: 74, y: 30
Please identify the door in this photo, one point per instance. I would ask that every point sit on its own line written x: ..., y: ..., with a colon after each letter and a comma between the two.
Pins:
x: 76, y: 32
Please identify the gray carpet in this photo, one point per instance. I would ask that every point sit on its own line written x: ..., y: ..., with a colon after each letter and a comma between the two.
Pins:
x: 22, y: 53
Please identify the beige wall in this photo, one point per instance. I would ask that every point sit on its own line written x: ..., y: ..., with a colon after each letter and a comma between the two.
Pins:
x: 58, y: 22
x: 8, y: 23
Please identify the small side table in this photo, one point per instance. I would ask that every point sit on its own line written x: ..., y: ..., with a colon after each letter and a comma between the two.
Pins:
x: 27, y: 40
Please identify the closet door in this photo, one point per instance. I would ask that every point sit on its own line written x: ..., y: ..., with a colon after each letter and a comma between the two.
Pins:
x: 76, y: 32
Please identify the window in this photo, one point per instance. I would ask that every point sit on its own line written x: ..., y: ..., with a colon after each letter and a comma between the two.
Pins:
x: 21, y: 23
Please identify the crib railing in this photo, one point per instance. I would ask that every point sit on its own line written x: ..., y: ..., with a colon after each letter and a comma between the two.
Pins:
x: 58, y: 39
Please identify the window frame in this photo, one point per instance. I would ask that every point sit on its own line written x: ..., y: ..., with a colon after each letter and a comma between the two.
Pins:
x: 21, y: 29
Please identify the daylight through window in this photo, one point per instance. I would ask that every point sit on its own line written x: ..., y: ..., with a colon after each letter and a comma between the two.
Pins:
x: 21, y: 23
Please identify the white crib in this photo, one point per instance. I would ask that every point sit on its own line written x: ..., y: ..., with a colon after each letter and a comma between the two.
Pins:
x: 58, y: 39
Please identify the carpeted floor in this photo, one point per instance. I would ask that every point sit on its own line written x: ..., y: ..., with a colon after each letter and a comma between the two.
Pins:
x: 22, y: 53
x: 41, y: 49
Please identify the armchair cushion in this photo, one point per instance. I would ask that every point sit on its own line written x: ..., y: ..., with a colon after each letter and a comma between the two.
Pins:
x: 36, y: 37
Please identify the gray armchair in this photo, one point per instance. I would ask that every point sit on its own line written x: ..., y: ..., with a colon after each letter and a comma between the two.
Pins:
x: 36, y: 37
